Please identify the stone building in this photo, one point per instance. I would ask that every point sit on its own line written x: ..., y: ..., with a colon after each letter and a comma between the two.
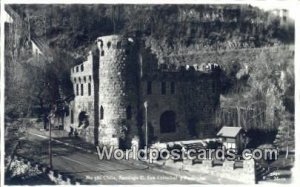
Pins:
x: 119, y: 76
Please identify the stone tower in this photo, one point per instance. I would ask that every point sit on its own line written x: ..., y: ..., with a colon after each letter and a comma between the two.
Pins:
x: 118, y: 89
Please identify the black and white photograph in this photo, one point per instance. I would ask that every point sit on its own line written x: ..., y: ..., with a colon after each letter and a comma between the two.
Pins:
x: 149, y: 94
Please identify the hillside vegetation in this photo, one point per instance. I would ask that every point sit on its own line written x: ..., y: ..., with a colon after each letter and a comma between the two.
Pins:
x: 172, y: 27
x: 253, y: 47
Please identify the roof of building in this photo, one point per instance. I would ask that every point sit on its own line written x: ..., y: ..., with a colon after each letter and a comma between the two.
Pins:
x: 10, y: 11
x: 38, y: 40
x: 231, y: 132
x: 42, y: 45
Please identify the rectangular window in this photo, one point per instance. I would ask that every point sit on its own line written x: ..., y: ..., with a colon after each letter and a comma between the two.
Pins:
x: 149, y: 87
x: 76, y: 68
x: 101, y: 112
x: 72, y: 117
x: 81, y: 89
x: 172, y: 87
x: 77, y: 89
x: 163, y: 88
x: 82, y: 68
x: 89, y: 88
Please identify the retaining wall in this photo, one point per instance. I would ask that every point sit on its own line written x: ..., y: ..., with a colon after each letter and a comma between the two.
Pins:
x: 31, y: 169
x: 244, y: 173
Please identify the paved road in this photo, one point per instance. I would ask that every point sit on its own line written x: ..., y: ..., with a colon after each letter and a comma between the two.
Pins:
x: 91, y: 170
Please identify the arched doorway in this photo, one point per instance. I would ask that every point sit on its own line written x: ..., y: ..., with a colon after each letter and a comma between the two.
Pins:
x: 168, y: 122
x: 83, y: 119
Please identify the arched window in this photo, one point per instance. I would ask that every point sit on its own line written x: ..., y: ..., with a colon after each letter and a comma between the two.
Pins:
x: 89, y: 89
x: 101, y: 112
x: 108, y: 44
x: 81, y: 89
x: 172, y: 87
x: 168, y: 122
x: 119, y: 45
x: 72, y: 117
x: 163, y: 88
x: 128, y: 112
x: 77, y: 89
x: 102, y: 53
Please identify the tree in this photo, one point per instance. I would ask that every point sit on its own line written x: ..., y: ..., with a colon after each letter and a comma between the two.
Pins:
x: 285, y: 138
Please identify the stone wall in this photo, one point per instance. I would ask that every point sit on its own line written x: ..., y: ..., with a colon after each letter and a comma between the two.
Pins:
x: 244, y: 173
x: 118, y: 89
x: 82, y: 79
x: 194, y: 101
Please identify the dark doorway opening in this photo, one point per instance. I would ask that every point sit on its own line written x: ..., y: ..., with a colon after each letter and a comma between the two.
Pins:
x: 168, y: 122
x: 83, y: 119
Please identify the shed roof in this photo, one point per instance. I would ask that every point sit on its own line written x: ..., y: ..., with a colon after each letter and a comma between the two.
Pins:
x: 229, y: 131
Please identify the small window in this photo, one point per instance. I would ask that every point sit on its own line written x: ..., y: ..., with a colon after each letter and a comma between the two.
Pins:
x: 89, y: 88
x: 172, y: 87
x: 149, y: 87
x: 101, y: 112
x: 90, y: 77
x: 163, y: 88
x: 84, y: 79
x: 118, y: 45
x: 108, y: 44
x: 77, y: 69
x: 82, y: 89
x: 82, y: 68
x: 77, y: 89
x: 128, y: 112
x: 102, y: 53
x: 74, y: 79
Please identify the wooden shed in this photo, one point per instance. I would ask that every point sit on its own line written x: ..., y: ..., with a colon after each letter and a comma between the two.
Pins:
x: 232, y: 137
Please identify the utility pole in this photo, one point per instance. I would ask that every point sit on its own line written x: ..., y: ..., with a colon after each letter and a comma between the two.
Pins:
x: 50, y: 140
x: 146, y: 125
